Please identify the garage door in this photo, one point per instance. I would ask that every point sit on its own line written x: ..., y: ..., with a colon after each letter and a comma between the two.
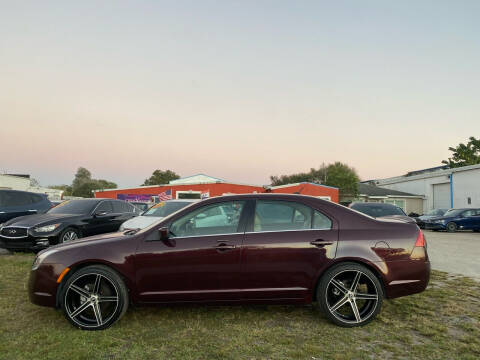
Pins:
x: 441, y: 196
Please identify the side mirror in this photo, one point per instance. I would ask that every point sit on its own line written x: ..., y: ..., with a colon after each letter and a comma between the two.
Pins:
x: 164, y: 233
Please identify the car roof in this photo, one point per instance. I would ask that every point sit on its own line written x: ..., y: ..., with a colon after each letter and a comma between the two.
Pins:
x: 22, y: 191
x: 373, y: 204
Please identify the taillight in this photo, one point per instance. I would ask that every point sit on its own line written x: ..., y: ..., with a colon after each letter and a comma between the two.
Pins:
x: 420, y: 239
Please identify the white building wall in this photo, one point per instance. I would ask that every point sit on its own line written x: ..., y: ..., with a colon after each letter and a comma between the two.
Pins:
x: 19, y: 183
x: 14, y: 182
x: 466, y: 184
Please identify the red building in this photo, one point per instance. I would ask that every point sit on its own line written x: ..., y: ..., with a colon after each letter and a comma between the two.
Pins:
x: 198, y: 186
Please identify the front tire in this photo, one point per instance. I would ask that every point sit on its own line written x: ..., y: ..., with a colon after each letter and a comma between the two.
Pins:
x: 350, y: 295
x: 451, y: 227
x: 69, y: 234
x: 94, y: 298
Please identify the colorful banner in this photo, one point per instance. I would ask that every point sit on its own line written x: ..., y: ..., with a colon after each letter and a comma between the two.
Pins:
x: 135, y: 197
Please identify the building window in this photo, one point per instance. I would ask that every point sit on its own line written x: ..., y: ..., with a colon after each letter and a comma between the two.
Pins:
x: 469, y: 201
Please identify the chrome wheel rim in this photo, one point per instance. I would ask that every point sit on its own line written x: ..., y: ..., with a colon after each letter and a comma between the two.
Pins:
x: 91, y: 300
x: 352, y: 296
x: 69, y: 236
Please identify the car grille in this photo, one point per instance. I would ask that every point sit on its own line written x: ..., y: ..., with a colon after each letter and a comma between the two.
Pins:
x: 14, y: 232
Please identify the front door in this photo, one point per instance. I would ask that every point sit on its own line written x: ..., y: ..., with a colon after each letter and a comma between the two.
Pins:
x: 199, y: 261
x: 285, y: 249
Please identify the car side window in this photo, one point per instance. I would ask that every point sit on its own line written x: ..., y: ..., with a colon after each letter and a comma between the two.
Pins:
x: 16, y: 199
x: 35, y: 199
x: 104, y: 207
x: 118, y: 207
x: 468, y: 213
x: 219, y: 218
x: 320, y: 221
x: 281, y: 215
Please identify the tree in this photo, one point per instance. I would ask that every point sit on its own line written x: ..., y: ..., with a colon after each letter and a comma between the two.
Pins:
x: 83, y: 184
x: 67, y: 189
x: 160, y: 177
x: 344, y: 177
x: 338, y: 174
x: 464, y: 155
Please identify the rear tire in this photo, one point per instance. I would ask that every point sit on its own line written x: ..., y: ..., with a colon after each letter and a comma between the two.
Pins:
x: 94, y: 298
x: 451, y: 227
x: 350, y: 295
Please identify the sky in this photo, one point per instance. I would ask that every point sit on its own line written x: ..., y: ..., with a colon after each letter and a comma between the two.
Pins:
x: 239, y: 90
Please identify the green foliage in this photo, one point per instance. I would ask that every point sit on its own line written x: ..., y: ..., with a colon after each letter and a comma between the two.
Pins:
x: 67, y: 189
x: 338, y: 174
x: 160, y: 177
x: 83, y: 184
x: 464, y: 155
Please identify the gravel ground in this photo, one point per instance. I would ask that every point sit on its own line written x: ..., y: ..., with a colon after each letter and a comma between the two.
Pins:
x: 456, y: 253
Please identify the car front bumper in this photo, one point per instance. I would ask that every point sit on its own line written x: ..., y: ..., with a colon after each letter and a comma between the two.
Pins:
x: 434, y: 226
x: 43, y: 286
x: 32, y: 243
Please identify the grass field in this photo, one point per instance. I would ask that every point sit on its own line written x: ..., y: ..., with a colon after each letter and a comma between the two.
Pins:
x: 441, y: 323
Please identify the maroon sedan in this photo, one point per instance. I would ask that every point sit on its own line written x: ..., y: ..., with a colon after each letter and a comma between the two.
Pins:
x: 258, y: 248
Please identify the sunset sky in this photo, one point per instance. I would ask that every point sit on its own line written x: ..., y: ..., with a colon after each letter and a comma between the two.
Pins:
x: 239, y: 90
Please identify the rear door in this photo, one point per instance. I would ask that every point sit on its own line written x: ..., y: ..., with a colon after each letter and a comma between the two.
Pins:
x: 122, y: 212
x: 284, y: 249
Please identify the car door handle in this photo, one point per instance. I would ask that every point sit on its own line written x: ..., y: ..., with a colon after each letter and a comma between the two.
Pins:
x: 224, y: 247
x: 321, y: 243
x: 32, y: 210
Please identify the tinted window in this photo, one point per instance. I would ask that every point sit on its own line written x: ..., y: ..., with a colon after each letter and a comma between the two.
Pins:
x: 221, y: 218
x: 35, y: 198
x: 320, y: 221
x: 119, y: 206
x: 77, y: 207
x: 281, y: 215
x: 14, y: 198
x: 378, y: 210
x: 165, y: 208
x: 104, y: 207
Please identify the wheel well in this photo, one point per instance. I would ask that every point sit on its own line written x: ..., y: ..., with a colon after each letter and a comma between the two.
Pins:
x: 77, y: 267
x: 374, y: 270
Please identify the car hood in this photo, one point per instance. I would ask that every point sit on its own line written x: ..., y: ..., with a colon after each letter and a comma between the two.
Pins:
x: 427, y: 217
x: 398, y: 217
x: 40, y: 219
x: 140, y: 222
x: 90, y: 240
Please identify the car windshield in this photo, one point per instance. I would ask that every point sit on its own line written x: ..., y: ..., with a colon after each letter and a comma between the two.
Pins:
x: 436, y: 212
x: 77, y: 207
x: 378, y: 210
x: 453, y: 212
x: 165, y: 208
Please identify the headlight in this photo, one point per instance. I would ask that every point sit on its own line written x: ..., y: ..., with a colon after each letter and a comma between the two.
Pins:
x: 46, y: 228
x: 439, y: 221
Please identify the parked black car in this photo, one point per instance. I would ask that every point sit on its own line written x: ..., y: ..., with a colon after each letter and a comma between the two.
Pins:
x: 381, y: 210
x: 14, y: 203
x: 65, y: 222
